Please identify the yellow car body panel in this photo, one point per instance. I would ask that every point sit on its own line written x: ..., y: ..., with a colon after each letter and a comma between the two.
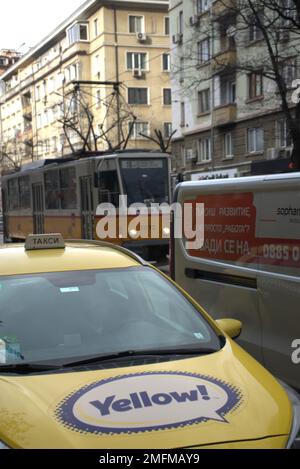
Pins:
x: 39, y: 410
x: 15, y: 260
x: 29, y: 419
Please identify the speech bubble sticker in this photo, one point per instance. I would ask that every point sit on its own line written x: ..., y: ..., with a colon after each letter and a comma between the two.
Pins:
x: 148, y: 402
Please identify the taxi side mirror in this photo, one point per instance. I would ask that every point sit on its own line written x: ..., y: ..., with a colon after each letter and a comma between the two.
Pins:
x: 231, y: 327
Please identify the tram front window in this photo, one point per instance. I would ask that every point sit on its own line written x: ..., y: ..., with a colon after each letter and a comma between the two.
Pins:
x: 145, y: 180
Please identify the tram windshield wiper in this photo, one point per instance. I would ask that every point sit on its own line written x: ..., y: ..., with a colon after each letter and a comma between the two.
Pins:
x: 138, y: 353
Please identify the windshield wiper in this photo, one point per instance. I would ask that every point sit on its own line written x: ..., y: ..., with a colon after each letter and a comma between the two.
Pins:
x: 138, y: 353
x: 27, y: 368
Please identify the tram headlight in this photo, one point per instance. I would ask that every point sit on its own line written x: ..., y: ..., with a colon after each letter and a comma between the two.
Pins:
x: 133, y: 234
x: 166, y: 231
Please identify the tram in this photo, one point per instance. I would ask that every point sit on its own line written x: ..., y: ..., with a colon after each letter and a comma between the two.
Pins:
x: 62, y: 195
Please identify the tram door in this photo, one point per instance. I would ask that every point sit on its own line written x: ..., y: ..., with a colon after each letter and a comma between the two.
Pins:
x: 87, y: 207
x: 38, y: 208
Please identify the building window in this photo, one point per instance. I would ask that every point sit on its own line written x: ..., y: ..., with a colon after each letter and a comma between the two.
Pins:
x: 204, y: 150
x: 181, y: 69
x: 288, y: 70
x: 202, y: 5
x: 204, y: 51
x: 51, y: 85
x: 138, y: 96
x: 228, y: 91
x: 204, y: 101
x: 73, y: 72
x: 255, y: 85
x: 139, y: 128
x: 167, y: 129
x: 282, y: 134
x: 228, y: 147
x: 98, y: 98
x: 38, y: 93
x: 54, y: 144
x: 39, y: 121
x: 166, y: 62
x: 136, y: 60
x: 167, y: 96
x: 96, y: 31
x: 255, y: 32
x: 136, y: 24
x: 78, y: 32
x: 182, y: 114
x: 255, y: 140
x: 167, y: 26
x: 180, y: 22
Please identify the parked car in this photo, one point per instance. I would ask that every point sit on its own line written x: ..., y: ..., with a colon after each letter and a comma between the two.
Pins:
x: 100, y: 350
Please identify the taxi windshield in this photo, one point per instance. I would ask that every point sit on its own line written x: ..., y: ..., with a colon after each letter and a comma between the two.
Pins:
x: 53, y: 316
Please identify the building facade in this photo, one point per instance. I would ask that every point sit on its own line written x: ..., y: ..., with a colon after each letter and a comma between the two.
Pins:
x: 226, y: 109
x: 118, y: 51
x: 8, y: 57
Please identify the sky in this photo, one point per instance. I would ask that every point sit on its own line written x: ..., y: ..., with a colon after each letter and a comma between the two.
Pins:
x: 29, y: 21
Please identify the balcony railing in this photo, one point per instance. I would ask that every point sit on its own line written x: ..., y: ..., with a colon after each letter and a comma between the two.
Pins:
x: 223, y: 7
x: 224, y: 114
x: 27, y: 135
x: 224, y: 59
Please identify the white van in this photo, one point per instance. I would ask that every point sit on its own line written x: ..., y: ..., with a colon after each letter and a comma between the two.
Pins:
x: 249, y: 265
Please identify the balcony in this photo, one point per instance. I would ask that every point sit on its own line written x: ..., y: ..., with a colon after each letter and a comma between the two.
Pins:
x: 27, y: 136
x: 224, y: 60
x: 223, y: 7
x: 225, y: 114
x: 27, y: 111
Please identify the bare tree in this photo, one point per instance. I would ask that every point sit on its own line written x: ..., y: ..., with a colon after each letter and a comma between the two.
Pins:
x: 266, y: 35
x: 77, y: 119
x: 159, y: 139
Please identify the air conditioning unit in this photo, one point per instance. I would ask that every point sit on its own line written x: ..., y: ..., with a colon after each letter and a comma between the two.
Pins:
x: 138, y: 73
x: 272, y: 153
x: 141, y: 37
x: 177, y: 38
x: 194, y: 20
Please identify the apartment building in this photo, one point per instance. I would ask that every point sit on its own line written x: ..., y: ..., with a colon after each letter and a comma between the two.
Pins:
x: 228, y: 115
x: 124, y: 44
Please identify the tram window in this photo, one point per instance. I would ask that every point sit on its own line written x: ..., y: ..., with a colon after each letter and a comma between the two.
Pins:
x: 109, y: 189
x: 52, y: 190
x: 13, y: 194
x: 24, y: 188
x: 68, y: 188
x: 145, y: 180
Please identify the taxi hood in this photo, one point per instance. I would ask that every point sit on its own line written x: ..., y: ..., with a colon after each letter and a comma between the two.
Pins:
x: 223, y: 397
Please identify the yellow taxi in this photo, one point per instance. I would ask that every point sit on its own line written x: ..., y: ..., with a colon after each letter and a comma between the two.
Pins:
x: 100, y: 350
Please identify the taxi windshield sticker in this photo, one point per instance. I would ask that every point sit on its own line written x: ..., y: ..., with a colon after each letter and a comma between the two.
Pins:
x: 148, y: 402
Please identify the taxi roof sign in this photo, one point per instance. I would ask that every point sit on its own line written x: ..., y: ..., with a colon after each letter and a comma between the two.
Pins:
x: 44, y: 241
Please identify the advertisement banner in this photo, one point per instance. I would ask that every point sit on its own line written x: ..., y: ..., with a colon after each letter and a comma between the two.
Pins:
x: 261, y: 228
